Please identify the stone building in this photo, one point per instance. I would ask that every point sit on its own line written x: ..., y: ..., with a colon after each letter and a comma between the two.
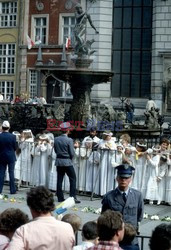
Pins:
x: 10, y: 17
x: 134, y: 41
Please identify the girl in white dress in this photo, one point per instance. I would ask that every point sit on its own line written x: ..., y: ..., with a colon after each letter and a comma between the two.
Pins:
x: 85, y: 151
x: 26, y: 144
x: 117, y: 159
x: 140, y: 176
x: 161, y: 178
x: 52, y: 169
x: 152, y: 184
x: 76, y: 157
x: 168, y: 186
x: 107, y: 148
x: 41, y: 161
x: 92, y: 183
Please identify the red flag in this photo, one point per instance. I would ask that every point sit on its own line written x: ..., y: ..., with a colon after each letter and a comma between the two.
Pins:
x: 68, y: 43
x: 30, y: 43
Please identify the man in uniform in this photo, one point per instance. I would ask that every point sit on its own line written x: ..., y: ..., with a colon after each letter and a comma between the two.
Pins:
x: 8, y: 146
x: 126, y: 200
x: 64, y: 149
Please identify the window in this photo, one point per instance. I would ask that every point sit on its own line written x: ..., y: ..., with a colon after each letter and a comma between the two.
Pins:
x: 33, y: 83
x: 7, y: 59
x: 7, y: 89
x: 40, y: 29
x: 8, y: 14
x: 132, y: 40
x: 66, y: 28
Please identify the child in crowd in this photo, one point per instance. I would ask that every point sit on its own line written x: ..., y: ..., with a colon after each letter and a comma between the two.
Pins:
x: 74, y: 220
x: 140, y: 180
x: 161, y: 178
x: 10, y: 220
x: 152, y: 184
x: 129, y: 236
x: 89, y: 236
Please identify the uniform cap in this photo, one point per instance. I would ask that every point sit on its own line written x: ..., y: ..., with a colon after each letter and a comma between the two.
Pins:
x: 65, y: 125
x: 125, y: 170
x: 6, y: 124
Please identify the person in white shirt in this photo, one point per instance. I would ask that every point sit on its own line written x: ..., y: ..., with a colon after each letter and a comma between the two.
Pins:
x: 44, y: 231
x: 150, y: 104
x: 89, y: 236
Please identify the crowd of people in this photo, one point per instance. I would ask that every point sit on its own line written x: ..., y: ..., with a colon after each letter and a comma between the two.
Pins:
x: 23, y: 99
x: 141, y: 173
x: 44, y: 231
x: 93, y: 164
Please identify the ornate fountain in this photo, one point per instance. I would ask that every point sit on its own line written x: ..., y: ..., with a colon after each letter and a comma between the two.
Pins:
x: 79, y: 76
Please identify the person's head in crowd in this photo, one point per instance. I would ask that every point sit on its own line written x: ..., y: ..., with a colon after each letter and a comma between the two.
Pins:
x: 161, y: 237
x: 40, y: 201
x: 125, y: 139
x: 110, y: 226
x: 76, y: 143
x: 43, y: 139
x: 10, y: 220
x: 93, y: 132
x: 128, y: 150
x: 156, y: 149
x: 164, y: 144
x: 5, y: 126
x: 89, y: 232
x: 141, y: 145
x: 74, y: 220
x: 107, y: 135
x: 119, y: 147
x: 163, y: 159
x: 129, y: 234
x: 124, y: 174
x: 27, y: 134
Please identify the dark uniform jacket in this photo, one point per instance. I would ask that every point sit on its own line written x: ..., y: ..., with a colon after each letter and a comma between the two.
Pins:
x: 8, y: 145
x: 132, y: 210
x: 64, y: 149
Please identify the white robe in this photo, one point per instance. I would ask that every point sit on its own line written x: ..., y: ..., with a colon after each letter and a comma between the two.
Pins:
x: 52, y: 171
x: 162, y: 183
x: 168, y: 185
x: 140, y: 175
x: 84, y: 156
x: 86, y: 166
x: 92, y: 177
x: 41, y: 164
x: 26, y: 159
x: 106, y: 170
x: 152, y: 184
x: 116, y: 160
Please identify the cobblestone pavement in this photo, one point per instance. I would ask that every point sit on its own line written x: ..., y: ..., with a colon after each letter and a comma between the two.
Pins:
x: 147, y: 225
